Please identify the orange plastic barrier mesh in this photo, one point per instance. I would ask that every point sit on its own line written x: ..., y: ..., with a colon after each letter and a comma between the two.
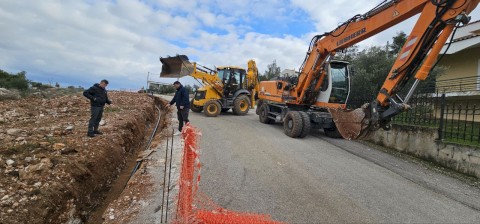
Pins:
x: 195, y: 207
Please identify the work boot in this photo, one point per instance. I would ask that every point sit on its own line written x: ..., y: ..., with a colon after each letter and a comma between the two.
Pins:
x: 91, y: 135
x: 97, y: 132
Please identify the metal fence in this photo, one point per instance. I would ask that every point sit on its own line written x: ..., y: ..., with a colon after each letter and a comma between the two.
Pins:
x: 460, y: 123
x: 453, y: 108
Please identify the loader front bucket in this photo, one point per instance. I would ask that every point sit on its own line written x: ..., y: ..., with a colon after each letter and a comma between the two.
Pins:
x: 352, y: 124
x: 176, y: 67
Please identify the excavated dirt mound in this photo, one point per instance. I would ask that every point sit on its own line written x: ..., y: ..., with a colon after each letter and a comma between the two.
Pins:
x: 50, y: 171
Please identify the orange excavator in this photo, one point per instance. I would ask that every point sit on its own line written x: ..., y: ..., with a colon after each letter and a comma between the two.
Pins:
x: 317, y: 98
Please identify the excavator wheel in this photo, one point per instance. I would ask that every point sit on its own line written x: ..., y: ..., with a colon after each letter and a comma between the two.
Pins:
x: 194, y: 108
x: 263, y: 114
x: 212, y: 108
x: 241, y: 105
x: 332, y: 132
x: 259, y: 105
x: 293, y: 124
x: 306, y: 124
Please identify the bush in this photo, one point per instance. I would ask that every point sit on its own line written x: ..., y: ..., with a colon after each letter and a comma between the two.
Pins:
x: 40, y: 85
x: 14, y: 81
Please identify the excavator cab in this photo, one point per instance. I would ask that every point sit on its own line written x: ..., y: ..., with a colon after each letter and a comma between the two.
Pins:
x: 336, y: 88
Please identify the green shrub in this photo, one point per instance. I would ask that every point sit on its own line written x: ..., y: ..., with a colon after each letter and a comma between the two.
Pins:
x: 14, y: 81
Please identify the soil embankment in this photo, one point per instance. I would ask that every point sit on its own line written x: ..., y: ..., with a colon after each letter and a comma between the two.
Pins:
x: 50, y: 171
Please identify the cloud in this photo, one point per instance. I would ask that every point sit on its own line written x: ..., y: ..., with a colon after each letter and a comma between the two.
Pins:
x: 77, y: 42
x: 326, y: 18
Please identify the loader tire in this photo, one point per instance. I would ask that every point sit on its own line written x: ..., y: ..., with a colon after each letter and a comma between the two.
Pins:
x: 263, y: 114
x: 194, y: 108
x: 306, y: 124
x: 293, y: 124
x: 332, y: 132
x: 212, y: 108
x: 241, y: 105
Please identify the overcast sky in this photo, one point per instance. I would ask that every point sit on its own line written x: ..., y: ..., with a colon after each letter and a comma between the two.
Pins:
x: 79, y: 42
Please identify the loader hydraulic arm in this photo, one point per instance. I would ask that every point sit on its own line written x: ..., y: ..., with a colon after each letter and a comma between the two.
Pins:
x: 208, y: 77
x: 437, y: 20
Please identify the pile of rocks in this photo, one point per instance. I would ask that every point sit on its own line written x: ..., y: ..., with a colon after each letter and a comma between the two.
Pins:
x: 6, y: 94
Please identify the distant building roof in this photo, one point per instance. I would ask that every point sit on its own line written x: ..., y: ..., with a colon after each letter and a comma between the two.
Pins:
x: 465, y: 37
x: 289, y: 72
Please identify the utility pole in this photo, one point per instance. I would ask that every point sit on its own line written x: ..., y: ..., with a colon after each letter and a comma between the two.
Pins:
x: 147, y: 87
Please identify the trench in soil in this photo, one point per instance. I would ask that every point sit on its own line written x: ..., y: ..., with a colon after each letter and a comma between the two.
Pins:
x: 118, y: 185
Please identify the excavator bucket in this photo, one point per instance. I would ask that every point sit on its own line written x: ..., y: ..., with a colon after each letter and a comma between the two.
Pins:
x: 352, y: 124
x: 176, y: 67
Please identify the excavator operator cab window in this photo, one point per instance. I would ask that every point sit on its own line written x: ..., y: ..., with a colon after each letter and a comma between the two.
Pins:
x: 340, y: 82
x: 279, y: 85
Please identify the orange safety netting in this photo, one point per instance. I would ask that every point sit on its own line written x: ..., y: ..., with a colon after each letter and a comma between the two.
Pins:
x: 195, y: 207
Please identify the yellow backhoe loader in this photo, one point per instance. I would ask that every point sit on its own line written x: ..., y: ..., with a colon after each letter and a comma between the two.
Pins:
x: 224, y: 88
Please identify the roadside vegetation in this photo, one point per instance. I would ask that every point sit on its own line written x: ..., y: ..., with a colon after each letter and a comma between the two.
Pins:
x: 370, y: 67
x: 16, y: 86
x: 169, y: 89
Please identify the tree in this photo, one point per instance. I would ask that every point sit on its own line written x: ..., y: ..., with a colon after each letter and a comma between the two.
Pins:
x: 189, y: 88
x: 371, y: 67
x: 161, y: 89
x: 398, y: 42
x: 272, y: 71
x: 347, y: 54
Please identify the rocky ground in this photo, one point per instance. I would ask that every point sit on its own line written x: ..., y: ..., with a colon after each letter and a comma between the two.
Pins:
x: 50, y: 171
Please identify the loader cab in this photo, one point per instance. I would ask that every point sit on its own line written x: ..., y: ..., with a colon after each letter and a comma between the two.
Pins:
x: 233, y: 79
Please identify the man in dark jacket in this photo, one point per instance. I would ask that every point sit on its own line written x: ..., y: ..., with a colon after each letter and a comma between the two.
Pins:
x: 183, y: 104
x: 97, y: 94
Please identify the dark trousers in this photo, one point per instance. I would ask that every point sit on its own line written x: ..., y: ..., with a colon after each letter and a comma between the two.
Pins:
x: 182, y: 116
x: 95, y: 118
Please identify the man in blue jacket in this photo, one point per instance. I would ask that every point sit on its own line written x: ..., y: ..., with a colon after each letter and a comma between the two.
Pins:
x: 97, y: 94
x: 183, y: 104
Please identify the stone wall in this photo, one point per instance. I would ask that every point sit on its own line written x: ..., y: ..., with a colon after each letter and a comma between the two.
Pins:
x: 422, y: 142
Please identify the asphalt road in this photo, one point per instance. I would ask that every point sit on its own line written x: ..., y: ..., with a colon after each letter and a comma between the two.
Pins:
x: 253, y: 167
